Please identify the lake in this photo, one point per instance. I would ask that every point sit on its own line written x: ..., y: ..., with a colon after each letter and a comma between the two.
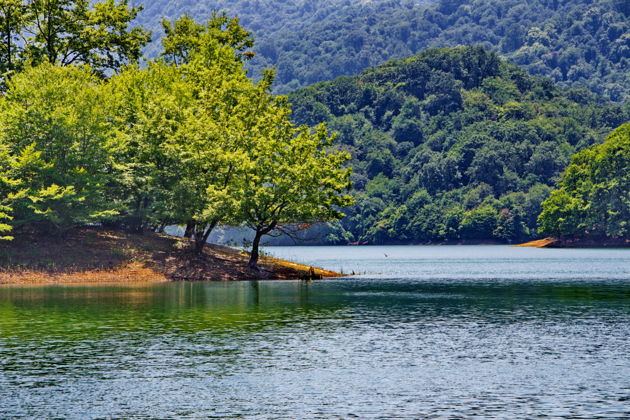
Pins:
x: 419, y: 332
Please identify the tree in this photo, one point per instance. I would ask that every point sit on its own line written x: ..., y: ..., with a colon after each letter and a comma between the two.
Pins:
x: 228, y: 117
x: 227, y: 114
x: 180, y: 39
x: 12, y: 22
x: 186, y: 122
x: 479, y: 223
x: 290, y: 177
x: 149, y: 107
x: 185, y: 37
x: 57, y: 131
x: 593, y: 199
x: 64, y: 32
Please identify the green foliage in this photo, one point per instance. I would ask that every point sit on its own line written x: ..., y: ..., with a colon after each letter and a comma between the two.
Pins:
x: 6, y: 185
x: 185, y: 37
x: 64, y: 32
x: 189, y: 139
x: 579, y: 43
x: 289, y: 177
x: 197, y: 135
x: 593, y: 199
x: 453, y: 144
x: 148, y: 107
x: 56, y: 129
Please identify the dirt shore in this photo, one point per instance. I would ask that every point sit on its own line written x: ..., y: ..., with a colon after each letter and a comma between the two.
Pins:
x: 106, y: 256
x: 576, y: 243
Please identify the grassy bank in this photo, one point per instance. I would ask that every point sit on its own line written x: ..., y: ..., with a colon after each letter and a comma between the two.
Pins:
x: 106, y: 256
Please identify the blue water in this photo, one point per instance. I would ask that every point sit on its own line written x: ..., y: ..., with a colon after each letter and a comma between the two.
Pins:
x: 422, y: 332
x: 465, y: 263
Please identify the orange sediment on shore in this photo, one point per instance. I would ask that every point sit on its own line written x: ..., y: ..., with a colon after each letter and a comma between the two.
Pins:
x: 540, y: 243
x: 579, y: 243
x: 318, y: 272
x: 131, y: 273
x: 94, y: 256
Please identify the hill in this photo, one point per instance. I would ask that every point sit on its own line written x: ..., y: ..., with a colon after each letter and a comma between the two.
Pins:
x: 453, y: 144
x: 583, y: 43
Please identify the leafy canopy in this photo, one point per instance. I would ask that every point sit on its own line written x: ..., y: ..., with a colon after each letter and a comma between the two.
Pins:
x: 65, y: 32
x: 187, y: 140
x: 579, y: 43
x: 593, y: 198
x: 58, y: 138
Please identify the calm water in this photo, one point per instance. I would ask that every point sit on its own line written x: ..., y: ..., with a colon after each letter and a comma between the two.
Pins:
x: 423, y: 332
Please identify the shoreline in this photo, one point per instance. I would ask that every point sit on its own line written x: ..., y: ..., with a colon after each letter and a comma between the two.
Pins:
x: 549, y: 242
x: 575, y: 243
x: 99, y: 256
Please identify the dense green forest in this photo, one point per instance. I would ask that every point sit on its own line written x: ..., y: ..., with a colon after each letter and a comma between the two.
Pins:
x: 188, y: 139
x: 593, y: 200
x: 450, y: 144
x: 582, y: 43
x: 453, y: 144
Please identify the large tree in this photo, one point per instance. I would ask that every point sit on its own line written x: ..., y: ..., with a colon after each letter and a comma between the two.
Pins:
x: 211, y: 146
x: 291, y: 177
x: 185, y: 125
x: 148, y: 108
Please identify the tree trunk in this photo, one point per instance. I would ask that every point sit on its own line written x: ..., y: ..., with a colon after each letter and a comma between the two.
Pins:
x: 190, y: 229
x: 253, y: 258
x: 160, y: 228
x: 8, y: 35
x: 135, y: 220
x: 201, y: 238
x: 260, y: 232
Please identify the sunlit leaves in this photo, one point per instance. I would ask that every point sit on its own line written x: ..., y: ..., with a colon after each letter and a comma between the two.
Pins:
x: 594, y: 195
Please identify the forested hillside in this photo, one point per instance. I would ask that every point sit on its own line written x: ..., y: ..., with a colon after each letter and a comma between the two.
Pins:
x: 575, y: 42
x: 453, y: 144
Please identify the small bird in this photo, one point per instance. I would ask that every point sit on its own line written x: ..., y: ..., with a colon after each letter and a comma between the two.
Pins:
x: 386, y: 256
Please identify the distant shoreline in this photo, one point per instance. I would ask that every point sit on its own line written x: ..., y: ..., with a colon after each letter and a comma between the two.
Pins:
x: 576, y: 243
x: 538, y: 243
x: 99, y: 256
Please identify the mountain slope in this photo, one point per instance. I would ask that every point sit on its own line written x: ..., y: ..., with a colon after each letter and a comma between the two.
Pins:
x: 453, y: 144
x: 575, y: 42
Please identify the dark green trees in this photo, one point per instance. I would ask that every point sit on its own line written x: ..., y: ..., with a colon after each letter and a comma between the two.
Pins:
x: 581, y: 43
x: 593, y: 200
x: 453, y: 144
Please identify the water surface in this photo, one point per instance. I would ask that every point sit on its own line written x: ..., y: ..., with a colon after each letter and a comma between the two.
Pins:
x: 453, y: 332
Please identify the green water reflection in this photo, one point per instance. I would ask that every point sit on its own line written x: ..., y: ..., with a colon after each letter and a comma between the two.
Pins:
x: 368, y: 347
x: 89, y: 312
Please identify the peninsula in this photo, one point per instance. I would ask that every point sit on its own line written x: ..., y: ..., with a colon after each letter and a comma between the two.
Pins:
x: 96, y: 256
